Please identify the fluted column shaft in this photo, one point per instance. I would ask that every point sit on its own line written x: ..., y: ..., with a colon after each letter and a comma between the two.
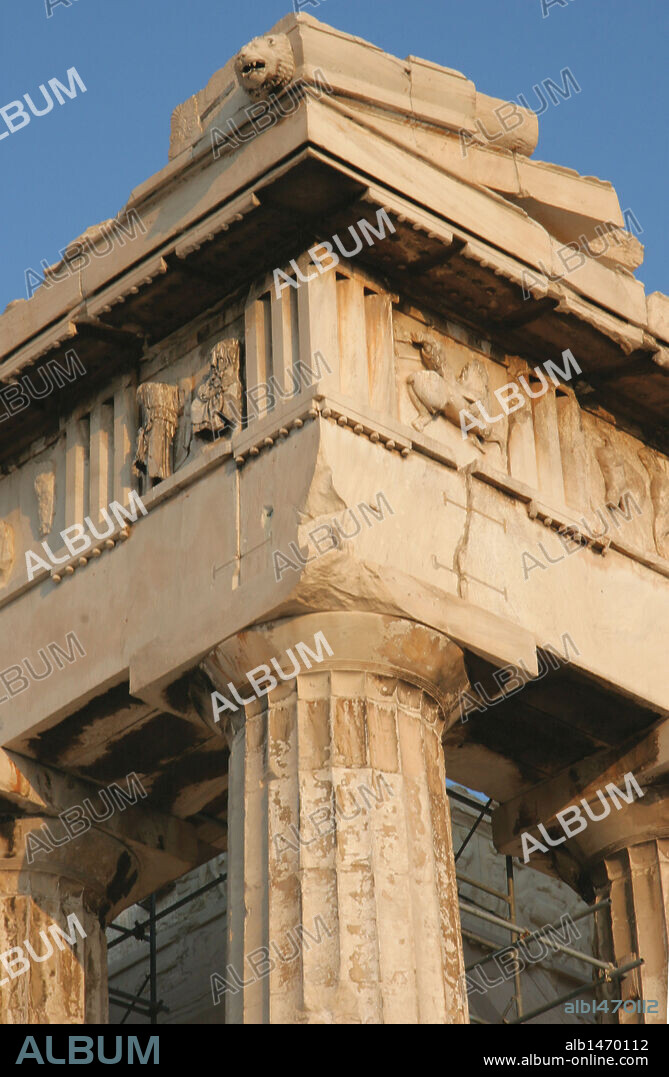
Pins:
x: 342, y: 901
x: 636, y: 879
x: 49, y: 976
x: 53, y: 966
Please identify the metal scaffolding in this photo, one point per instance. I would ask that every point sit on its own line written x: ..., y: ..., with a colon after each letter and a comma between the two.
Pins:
x: 606, y: 971
x: 149, y: 1007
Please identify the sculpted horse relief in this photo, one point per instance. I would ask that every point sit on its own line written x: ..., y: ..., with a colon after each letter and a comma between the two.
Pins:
x: 440, y: 391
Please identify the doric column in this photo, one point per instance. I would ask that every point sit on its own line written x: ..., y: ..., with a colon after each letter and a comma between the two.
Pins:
x: 342, y: 898
x: 53, y: 960
x: 636, y: 879
x: 604, y: 826
x: 70, y: 860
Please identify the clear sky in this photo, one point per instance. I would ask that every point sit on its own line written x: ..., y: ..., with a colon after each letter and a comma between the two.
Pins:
x: 139, y: 58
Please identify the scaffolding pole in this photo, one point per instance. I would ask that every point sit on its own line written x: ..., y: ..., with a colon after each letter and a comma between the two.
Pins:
x: 514, y: 934
x: 152, y: 1006
x: 606, y: 972
x: 611, y: 976
x: 139, y: 926
x: 472, y: 831
x: 153, y: 970
x: 526, y: 935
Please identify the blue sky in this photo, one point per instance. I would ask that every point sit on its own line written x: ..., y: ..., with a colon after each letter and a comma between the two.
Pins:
x: 139, y: 58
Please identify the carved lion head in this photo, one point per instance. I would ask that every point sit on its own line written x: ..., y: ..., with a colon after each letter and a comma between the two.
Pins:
x: 265, y: 64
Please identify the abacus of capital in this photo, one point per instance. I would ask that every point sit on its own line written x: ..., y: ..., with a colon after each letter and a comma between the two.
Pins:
x: 175, y: 332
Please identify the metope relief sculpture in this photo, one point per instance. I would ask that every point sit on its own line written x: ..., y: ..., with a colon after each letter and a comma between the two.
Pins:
x: 160, y: 406
x: 45, y: 492
x: 216, y: 406
x: 618, y: 471
x: 440, y: 391
x: 656, y: 466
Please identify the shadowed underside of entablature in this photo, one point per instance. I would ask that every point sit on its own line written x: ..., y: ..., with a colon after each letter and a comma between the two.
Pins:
x: 472, y: 270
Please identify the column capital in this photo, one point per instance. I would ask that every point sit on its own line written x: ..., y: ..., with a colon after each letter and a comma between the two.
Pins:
x: 641, y: 818
x: 108, y: 840
x: 72, y: 855
x: 391, y: 647
x: 99, y: 866
x: 604, y: 823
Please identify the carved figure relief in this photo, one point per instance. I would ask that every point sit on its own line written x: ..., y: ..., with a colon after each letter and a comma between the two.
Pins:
x: 217, y: 403
x: 659, y: 495
x: 45, y: 491
x: 266, y: 64
x: 618, y: 473
x: 439, y: 391
x: 6, y: 551
x: 160, y: 406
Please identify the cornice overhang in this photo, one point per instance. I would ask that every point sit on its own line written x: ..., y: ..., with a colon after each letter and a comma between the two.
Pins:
x: 458, y: 250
